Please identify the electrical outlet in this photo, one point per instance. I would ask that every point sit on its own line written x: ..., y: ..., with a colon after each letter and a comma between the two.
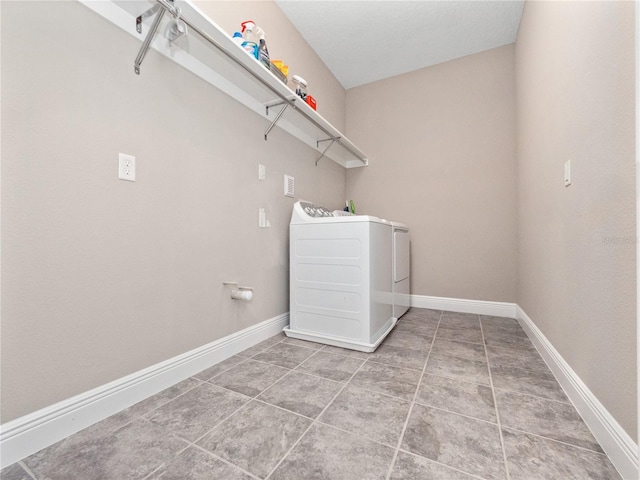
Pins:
x: 127, y: 167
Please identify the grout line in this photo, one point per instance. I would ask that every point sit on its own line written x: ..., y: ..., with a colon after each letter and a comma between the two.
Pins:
x: 413, y: 401
x: 534, y: 396
x: 223, y: 460
x: 314, y: 421
x: 242, y: 406
x: 394, y: 365
x: 223, y: 420
x: 457, y: 413
x: 537, y: 435
x: 472, y: 475
x: 27, y: 469
x: 154, y: 471
x: 242, y: 360
x: 495, y: 403
x: 144, y: 415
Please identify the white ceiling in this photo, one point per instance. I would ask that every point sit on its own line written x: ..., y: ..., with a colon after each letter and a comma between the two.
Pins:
x: 364, y: 41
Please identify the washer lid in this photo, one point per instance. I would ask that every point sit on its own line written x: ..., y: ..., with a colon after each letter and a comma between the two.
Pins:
x: 307, y: 212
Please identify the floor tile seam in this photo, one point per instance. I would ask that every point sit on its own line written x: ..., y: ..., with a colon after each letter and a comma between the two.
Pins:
x: 507, y: 390
x: 439, y: 354
x: 354, y: 434
x: 223, y: 460
x: 456, y: 340
x: 443, y: 375
x: 423, y: 404
x: 404, y: 346
x: 244, y: 359
x: 384, y: 394
x: 286, y: 410
x: 264, y: 363
x: 469, y: 382
x: 297, y: 367
x: 538, y: 435
x: 413, y: 334
x: 338, y: 353
x: 413, y: 402
x: 315, y: 420
x: 549, y: 377
x: 138, y: 416
x: 504, y: 334
x: 222, y: 420
x: 472, y: 475
x: 27, y: 469
x: 532, y: 370
x: 314, y: 375
x: 148, y: 476
x: 229, y: 389
x: 296, y: 345
x: 495, y: 407
x: 516, y: 348
x: 393, y: 364
x: 260, y: 351
x: 470, y: 327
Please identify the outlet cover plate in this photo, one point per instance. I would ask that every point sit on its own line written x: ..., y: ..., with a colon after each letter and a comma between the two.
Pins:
x: 126, y: 167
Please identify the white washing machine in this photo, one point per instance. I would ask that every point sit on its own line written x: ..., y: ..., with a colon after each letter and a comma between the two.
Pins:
x: 341, y: 279
x: 401, y: 269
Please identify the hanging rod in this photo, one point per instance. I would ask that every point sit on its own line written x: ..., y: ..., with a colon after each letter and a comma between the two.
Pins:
x: 175, y: 11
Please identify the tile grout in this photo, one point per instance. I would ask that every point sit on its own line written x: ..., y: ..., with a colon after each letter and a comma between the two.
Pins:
x: 313, y: 423
x: 27, y: 469
x: 473, y: 475
x: 537, y: 435
x: 413, y: 401
x: 495, y: 403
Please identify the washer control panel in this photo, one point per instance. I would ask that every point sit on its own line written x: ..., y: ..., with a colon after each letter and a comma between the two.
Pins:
x: 315, y: 210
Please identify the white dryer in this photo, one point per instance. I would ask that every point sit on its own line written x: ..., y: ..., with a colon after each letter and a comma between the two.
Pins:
x: 401, y: 269
x: 341, y: 280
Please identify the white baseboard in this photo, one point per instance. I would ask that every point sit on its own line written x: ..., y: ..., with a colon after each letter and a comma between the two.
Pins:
x: 480, y: 307
x: 26, y: 435
x: 617, y: 444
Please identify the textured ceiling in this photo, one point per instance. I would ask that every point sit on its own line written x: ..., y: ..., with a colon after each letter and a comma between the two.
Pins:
x: 365, y: 41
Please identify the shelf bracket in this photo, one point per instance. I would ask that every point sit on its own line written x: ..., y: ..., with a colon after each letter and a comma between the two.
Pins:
x: 144, y: 48
x: 275, y: 120
x: 143, y: 16
x: 275, y: 103
x: 325, y: 150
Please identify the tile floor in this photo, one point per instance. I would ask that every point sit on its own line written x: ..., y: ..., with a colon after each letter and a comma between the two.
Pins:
x: 446, y: 396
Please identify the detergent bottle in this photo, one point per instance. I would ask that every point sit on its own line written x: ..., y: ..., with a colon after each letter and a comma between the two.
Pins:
x: 251, y: 41
x: 254, y: 35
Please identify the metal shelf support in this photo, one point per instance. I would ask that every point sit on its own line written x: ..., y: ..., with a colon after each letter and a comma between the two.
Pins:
x: 275, y: 120
x: 325, y: 150
x: 144, y: 48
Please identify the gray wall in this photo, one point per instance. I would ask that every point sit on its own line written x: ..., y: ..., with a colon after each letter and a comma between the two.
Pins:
x: 576, y: 260
x: 101, y: 277
x: 442, y: 147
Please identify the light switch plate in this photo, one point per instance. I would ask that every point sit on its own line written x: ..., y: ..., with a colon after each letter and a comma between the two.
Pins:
x: 262, y: 172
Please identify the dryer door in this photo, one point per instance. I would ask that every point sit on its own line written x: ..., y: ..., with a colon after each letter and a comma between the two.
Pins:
x: 400, y: 255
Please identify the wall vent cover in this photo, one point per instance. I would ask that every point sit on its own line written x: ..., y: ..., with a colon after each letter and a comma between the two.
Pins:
x: 289, y: 186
